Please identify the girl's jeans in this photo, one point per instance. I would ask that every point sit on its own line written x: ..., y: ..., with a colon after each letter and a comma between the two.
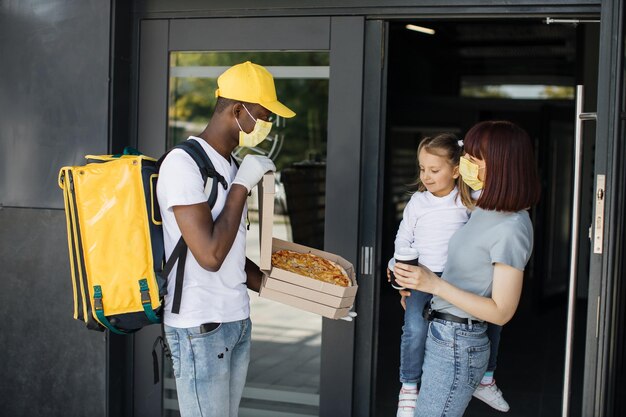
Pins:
x: 493, y: 333
x: 413, y: 337
x: 210, y: 368
x: 456, y: 359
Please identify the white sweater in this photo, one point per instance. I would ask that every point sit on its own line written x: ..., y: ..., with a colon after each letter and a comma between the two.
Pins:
x: 428, y: 223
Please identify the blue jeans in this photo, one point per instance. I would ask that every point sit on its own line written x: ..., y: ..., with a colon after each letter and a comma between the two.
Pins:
x: 456, y: 359
x: 413, y: 337
x: 493, y: 332
x: 210, y: 368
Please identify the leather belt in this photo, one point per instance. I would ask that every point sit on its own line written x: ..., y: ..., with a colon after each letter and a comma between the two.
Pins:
x: 432, y: 314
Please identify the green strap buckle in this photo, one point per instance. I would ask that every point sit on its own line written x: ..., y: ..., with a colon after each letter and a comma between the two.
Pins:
x: 98, y: 307
x: 146, y: 301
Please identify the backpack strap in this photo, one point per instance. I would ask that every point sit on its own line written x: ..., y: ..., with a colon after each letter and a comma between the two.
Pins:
x: 207, y: 170
x: 180, y: 276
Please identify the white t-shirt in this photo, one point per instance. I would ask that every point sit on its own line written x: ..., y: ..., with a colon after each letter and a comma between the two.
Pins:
x: 428, y: 223
x: 207, y: 296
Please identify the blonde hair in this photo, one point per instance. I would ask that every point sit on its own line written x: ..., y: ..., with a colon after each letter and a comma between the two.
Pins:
x: 448, y: 146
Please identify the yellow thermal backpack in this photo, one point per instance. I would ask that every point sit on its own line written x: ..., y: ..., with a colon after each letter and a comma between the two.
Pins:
x: 115, y: 238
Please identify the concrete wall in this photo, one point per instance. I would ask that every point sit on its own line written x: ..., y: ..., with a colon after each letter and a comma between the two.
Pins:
x: 54, y: 99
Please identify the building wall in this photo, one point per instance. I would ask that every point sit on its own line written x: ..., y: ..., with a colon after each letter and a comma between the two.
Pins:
x: 54, y: 108
x: 54, y: 86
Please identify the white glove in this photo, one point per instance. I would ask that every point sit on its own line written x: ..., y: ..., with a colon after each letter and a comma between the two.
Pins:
x: 252, y: 169
x: 351, y: 315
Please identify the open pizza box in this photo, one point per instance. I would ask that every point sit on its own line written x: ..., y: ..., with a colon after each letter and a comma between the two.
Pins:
x: 304, y: 293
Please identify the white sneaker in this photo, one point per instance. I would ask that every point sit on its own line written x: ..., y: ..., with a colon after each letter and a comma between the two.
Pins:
x: 492, y: 395
x: 406, y: 402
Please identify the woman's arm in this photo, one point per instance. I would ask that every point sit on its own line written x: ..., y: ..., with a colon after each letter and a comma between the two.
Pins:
x: 497, y: 309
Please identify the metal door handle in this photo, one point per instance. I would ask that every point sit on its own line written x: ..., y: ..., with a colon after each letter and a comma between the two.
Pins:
x: 571, y: 301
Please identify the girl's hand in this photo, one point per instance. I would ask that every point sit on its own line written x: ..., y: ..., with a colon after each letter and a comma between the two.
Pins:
x: 404, y: 294
x: 390, y: 265
x: 416, y: 278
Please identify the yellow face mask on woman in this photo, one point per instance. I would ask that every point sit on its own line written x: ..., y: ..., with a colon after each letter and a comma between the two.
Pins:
x: 469, y: 174
x: 258, y: 134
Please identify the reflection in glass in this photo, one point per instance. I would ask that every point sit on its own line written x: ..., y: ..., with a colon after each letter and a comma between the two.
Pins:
x: 517, y: 91
x: 283, y: 376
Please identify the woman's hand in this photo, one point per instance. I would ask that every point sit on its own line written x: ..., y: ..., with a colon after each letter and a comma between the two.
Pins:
x: 416, y: 278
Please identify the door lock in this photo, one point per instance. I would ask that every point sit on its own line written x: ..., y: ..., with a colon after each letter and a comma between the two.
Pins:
x: 598, y: 222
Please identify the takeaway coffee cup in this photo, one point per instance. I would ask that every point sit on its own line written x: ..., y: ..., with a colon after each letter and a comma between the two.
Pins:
x: 406, y: 256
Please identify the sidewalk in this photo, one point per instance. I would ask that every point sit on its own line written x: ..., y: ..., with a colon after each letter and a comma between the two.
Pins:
x: 283, y: 377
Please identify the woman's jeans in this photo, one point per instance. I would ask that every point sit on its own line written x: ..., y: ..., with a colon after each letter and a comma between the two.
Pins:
x: 210, y: 368
x: 413, y: 337
x: 414, y: 334
x: 456, y: 359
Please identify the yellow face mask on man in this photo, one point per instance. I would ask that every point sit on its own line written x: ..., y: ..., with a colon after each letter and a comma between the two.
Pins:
x: 469, y: 174
x: 258, y: 134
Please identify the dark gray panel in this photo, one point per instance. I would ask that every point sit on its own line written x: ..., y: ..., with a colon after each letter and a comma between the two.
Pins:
x: 153, y: 69
x: 54, y: 82
x: 342, y: 201
x: 370, y: 216
x: 303, y: 33
x: 148, y: 397
x: 121, y: 77
x: 51, y: 364
x: 372, y: 8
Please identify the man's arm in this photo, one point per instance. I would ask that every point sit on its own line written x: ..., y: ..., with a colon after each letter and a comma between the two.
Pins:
x: 254, y: 276
x: 210, y: 241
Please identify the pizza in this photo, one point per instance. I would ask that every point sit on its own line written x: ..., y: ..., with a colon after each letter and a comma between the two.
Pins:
x: 311, y: 266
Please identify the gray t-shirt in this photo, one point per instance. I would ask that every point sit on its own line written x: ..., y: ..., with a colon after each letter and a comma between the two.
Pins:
x: 487, y: 238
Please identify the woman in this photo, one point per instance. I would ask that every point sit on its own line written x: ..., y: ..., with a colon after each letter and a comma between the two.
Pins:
x: 482, y: 278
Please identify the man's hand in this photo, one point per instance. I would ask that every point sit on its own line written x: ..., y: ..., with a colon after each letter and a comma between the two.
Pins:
x: 252, y: 169
x: 254, y: 276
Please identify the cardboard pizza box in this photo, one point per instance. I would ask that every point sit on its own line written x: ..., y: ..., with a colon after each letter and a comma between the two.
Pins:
x: 307, y: 293
x: 304, y: 304
x: 299, y: 291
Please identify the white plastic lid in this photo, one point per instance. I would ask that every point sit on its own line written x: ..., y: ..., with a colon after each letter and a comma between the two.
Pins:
x: 405, y: 254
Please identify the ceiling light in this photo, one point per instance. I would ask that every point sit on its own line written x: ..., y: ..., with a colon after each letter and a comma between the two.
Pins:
x: 421, y: 29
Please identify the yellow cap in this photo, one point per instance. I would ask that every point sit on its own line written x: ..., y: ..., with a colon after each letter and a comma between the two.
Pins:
x: 251, y: 83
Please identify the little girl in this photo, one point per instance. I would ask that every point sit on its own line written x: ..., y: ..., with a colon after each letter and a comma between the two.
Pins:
x: 433, y: 214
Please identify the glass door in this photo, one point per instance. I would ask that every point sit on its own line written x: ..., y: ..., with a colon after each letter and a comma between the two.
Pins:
x: 284, y: 372
x: 180, y: 61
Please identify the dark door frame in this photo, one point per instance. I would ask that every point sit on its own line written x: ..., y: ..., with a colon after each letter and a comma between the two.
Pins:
x: 600, y: 355
x: 603, y: 318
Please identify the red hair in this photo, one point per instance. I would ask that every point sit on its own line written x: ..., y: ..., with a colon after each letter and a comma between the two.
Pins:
x: 512, y: 182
